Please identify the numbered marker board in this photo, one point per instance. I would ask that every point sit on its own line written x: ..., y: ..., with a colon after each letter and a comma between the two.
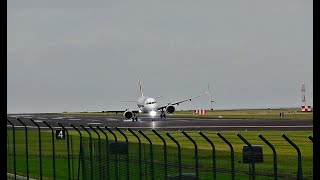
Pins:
x: 60, y: 134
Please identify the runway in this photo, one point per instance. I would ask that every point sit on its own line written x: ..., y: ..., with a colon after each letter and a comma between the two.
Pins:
x: 170, y: 123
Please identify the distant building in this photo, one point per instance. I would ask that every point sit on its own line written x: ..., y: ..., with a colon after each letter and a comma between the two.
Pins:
x: 306, y: 108
x: 200, y: 111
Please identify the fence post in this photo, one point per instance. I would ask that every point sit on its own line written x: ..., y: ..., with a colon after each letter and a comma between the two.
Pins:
x: 115, y: 156
x: 179, y: 153
x: 195, y: 153
x: 39, y: 133
x: 107, y: 149
x: 14, y: 149
x: 27, y: 154
x: 90, y: 149
x: 114, y: 135
x: 299, y: 175
x: 53, y: 150
x: 214, y: 170
x: 311, y: 138
x: 253, y: 170
x: 72, y: 157
x: 80, y: 155
x: 151, y: 153
x: 67, y: 148
x: 164, y: 153
x: 140, y: 161
x: 232, y: 154
x: 275, y: 169
x: 99, y: 150
x: 127, y: 156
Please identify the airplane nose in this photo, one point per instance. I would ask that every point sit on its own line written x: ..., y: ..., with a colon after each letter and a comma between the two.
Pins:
x: 151, y: 107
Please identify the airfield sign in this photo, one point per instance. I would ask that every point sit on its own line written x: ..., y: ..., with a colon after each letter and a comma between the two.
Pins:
x: 60, y: 134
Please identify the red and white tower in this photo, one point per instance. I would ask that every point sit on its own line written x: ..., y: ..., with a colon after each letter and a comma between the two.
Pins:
x: 304, y: 107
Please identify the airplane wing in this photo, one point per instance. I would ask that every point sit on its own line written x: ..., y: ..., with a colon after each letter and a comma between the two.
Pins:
x: 121, y: 111
x: 181, y: 101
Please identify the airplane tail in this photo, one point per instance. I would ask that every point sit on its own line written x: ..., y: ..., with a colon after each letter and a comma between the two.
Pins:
x: 140, y: 86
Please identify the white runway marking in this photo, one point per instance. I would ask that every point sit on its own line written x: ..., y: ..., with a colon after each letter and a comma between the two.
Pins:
x: 112, y: 119
x: 22, y: 116
x: 94, y: 120
x: 58, y: 118
x: 41, y: 118
x: 130, y: 120
x: 38, y: 121
x: 94, y: 123
x: 25, y: 115
x: 74, y: 119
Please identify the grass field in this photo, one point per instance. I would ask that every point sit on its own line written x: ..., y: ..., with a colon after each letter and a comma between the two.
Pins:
x: 286, y: 154
x: 250, y: 114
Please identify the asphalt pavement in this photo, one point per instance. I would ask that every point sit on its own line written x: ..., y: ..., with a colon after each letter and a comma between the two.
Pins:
x: 169, y: 123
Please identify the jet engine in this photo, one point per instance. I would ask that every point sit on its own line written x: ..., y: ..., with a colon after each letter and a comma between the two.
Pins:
x: 170, y: 109
x: 128, y: 114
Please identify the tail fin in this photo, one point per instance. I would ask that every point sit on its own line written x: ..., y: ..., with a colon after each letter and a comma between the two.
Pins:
x: 140, y: 86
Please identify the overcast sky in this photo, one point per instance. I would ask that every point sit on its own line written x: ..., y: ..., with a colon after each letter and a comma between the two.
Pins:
x: 71, y: 55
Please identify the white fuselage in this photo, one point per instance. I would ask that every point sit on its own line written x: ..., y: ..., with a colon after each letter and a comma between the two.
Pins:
x: 147, y: 105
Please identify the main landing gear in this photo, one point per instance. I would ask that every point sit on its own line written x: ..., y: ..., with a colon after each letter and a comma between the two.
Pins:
x: 134, y: 118
x: 163, y: 114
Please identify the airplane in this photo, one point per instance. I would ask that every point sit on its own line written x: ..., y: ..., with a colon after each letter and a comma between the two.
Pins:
x: 150, y: 105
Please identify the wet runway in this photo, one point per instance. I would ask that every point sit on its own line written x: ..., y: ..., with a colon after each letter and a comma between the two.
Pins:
x: 160, y: 124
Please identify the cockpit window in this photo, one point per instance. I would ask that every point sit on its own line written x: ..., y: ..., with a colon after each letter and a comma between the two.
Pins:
x: 151, y: 102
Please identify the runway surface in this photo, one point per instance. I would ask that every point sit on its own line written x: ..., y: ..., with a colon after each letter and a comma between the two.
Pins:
x: 160, y: 124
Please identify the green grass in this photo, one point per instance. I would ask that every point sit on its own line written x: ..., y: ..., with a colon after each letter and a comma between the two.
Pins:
x: 286, y: 154
x: 249, y: 114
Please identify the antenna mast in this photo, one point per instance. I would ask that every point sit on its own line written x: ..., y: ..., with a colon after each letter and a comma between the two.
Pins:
x: 303, y: 93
